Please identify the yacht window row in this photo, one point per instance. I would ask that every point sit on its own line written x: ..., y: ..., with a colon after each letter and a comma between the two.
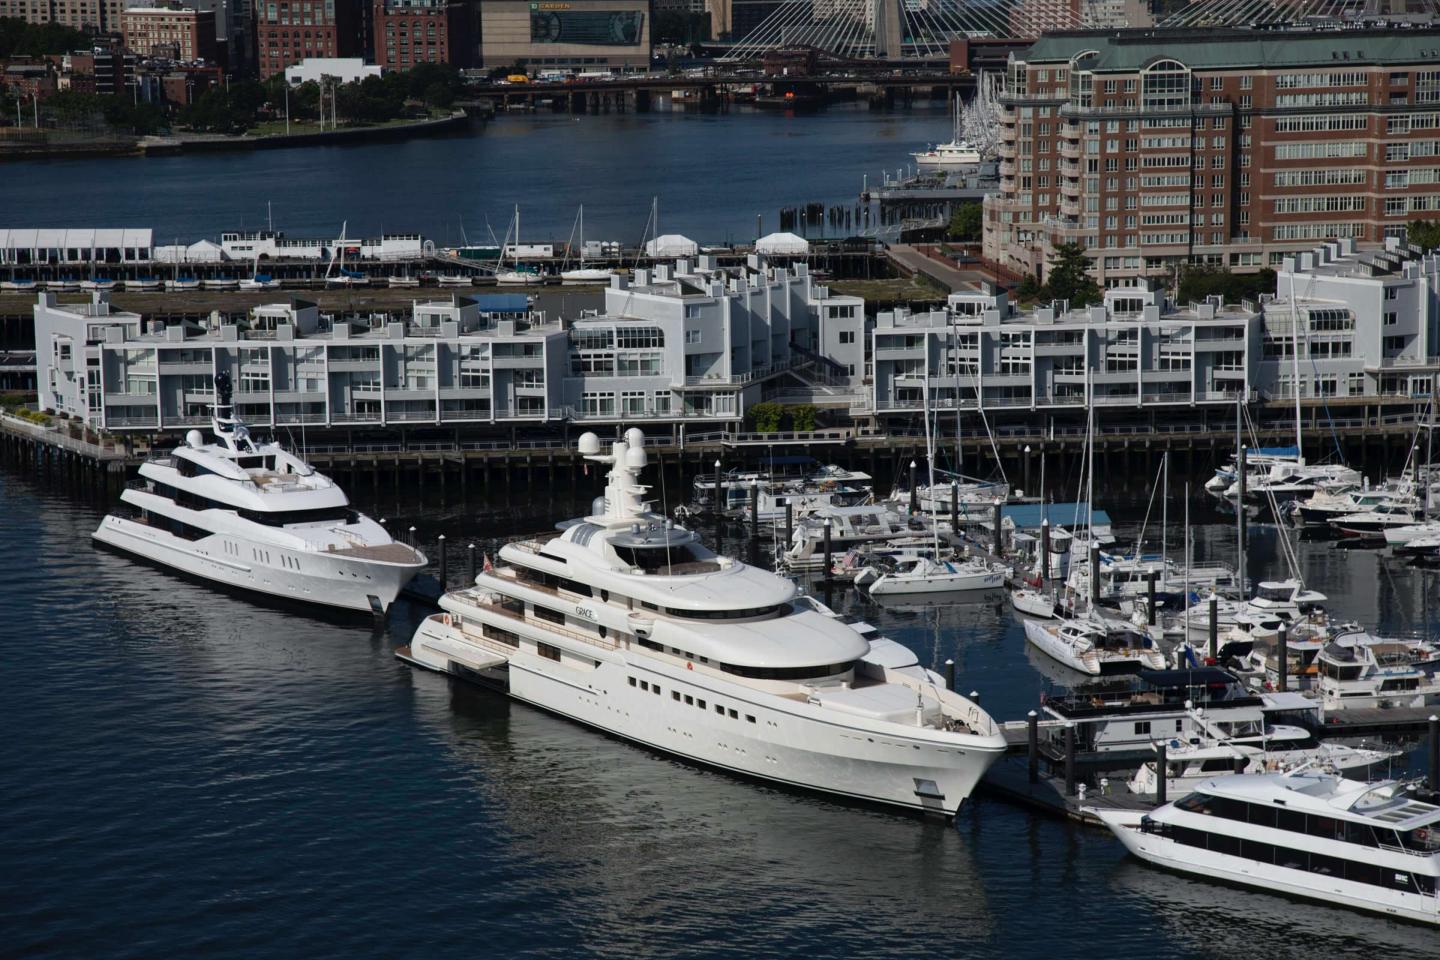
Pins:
x: 1282, y: 856
x: 542, y: 578
x: 1421, y: 841
x: 750, y: 613
x: 689, y: 700
x: 270, y: 518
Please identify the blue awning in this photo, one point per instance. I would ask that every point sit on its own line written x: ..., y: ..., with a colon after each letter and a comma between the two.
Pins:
x: 1027, y: 516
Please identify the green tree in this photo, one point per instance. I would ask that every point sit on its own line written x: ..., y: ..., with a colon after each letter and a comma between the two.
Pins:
x: 966, y: 223
x: 1070, y: 277
x: 1424, y: 233
x: 803, y: 417
x: 19, y: 38
x: 767, y: 416
x: 1028, y: 288
x: 1199, y: 281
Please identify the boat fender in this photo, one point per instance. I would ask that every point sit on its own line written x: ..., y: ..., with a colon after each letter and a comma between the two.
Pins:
x: 445, y: 619
x: 689, y: 665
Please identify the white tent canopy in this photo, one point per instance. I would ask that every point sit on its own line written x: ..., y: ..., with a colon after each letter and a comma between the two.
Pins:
x: 782, y: 244
x: 671, y: 245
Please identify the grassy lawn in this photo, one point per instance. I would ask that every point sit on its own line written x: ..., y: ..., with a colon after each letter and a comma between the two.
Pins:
x: 894, y: 290
x: 274, y: 127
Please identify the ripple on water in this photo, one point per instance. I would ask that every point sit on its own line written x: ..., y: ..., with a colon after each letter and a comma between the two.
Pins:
x: 189, y: 773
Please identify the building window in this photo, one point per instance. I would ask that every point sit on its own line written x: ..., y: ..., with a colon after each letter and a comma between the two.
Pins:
x: 547, y: 651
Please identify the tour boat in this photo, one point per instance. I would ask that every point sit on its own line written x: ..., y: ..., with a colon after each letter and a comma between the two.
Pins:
x: 1095, y: 647
x: 625, y: 622
x: 250, y: 515
x: 1371, y: 846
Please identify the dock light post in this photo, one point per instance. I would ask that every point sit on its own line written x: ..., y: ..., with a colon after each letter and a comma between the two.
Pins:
x: 1150, y: 596
x: 1214, y: 626
x: 444, y: 571
x: 471, y: 551
x: 1434, y: 752
x: 1069, y: 759
x: 949, y: 674
x: 789, y: 522
x: 1044, y: 552
x: 827, y: 548
x: 999, y: 533
x: 412, y: 538
x: 1032, y: 729
x: 1094, y: 575
x: 1282, y: 643
x: 954, y: 506
x: 719, y: 492
x: 1027, y: 467
x: 914, y: 494
x: 754, y: 509
x: 1160, y: 772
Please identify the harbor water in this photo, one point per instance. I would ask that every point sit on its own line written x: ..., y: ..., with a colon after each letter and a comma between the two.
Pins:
x: 190, y: 773
x: 712, y: 174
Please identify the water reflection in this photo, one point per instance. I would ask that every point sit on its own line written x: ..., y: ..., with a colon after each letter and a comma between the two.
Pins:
x: 660, y: 854
x: 1209, y: 919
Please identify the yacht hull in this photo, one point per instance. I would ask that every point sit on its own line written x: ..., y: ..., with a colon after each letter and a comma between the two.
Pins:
x: 895, y: 585
x: 781, y: 745
x: 1334, y: 891
x: 320, y: 578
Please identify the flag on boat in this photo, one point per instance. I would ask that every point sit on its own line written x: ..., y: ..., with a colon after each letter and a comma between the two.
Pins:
x: 488, y: 567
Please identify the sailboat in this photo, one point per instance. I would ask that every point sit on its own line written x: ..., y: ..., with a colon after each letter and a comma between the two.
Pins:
x: 934, y: 574
x: 344, y: 278
x: 956, y: 154
x: 514, y: 276
x: 178, y: 282
x: 258, y: 280
x: 583, y: 274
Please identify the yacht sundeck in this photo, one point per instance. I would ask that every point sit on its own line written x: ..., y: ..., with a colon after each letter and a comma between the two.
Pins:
x: 626, y: 622
x: 1371, y: 846
x: 254, y: 516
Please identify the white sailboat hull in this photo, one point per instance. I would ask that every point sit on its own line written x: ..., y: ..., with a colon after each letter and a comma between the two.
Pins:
x: 893, y: 583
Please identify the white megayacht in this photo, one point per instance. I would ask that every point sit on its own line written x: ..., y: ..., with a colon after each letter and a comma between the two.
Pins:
x: 627, y: 623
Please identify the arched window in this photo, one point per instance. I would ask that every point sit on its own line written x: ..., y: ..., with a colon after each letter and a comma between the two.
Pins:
x: 1165, y: 85
x: 1082, y: 81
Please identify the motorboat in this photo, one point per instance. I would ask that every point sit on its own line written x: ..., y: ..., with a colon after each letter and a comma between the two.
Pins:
x: 1093, y: 647
x: 1400, y: 536
x: 182, y: 284
x: 143, y: 284
x: 1351, y: 676
x: 100, y: 284
x: 250, y: 515
x: 18, y: 286
x: 1307, y: 833
x: 220, y: 283
x: 1372, y: 524
x: 625, y: 622
x: 957, y: 154
x: 402, y: 282
x: 454, y: 280
x: 260, y: 281
x: 1281, y: 747
x: 775, y: 473
x: 1258, y: 461
x: 928, y: 575
x: 62, y: 285
x: 852, y: 526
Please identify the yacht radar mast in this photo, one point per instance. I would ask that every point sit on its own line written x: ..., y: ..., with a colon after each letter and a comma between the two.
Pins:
x: 624, y: 499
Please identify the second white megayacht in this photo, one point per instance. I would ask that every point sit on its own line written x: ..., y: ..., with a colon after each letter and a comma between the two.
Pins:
x: 251, y: 515
x: 626, y: 622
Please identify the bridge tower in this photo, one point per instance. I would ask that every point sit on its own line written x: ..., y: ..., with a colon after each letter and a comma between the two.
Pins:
x: 888, y: 26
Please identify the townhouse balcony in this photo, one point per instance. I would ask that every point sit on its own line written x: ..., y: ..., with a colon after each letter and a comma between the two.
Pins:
x: 1070, y: 151
x: 1007, y: 168
x: 1069, y: 208
x: 1071, y: 169
x: 1006, y: 150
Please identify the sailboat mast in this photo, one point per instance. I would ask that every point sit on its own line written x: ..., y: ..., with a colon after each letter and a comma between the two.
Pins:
x: 1239, y: 501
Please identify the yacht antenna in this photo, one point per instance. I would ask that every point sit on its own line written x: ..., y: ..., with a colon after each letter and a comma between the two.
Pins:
x: 1239, y: 501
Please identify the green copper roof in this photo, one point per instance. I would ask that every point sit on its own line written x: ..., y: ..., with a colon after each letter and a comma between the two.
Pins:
x: 1129, y: 50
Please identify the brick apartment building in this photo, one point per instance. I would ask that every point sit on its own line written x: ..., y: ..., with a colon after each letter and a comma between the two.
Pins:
x: 1154, y: 148
x: 410, y: 32
x: 91, y: 15
x: 174, y: 33
x: 288, y: 31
